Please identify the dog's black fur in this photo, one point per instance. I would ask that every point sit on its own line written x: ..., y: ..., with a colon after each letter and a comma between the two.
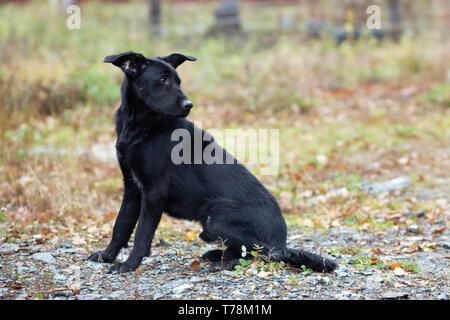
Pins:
x: 228, y: 201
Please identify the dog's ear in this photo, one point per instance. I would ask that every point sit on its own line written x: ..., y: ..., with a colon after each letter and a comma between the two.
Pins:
x: 175, y: 59
x: 130, y: 62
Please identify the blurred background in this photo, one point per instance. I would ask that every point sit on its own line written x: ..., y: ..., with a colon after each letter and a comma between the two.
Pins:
x: 358, y: 109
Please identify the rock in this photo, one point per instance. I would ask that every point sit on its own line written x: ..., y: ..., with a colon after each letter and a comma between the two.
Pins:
x: 118, y: 294
x: 181, y: 285
x: 163, y: 243
x: 442, y: 296
x: 54, y: 240
x: 96, y: 266
x: 65, y: 293
x: 388, y: 186
x: 444, y: 244
x: 399, y: 272
x: 45, y: 257
x: 67, y: 250
x: 419, y: 214
x: 413, y: 228
x: 9, y: 248
x: 341, y: 273
x: 262, y: 274
x: 59, y: 278
x: 3, y: 291
x: 393, y: 295
x: 324, y: 280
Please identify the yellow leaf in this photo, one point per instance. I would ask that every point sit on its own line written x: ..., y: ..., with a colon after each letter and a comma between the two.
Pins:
x: 396, y: 265
x: 191, y: 235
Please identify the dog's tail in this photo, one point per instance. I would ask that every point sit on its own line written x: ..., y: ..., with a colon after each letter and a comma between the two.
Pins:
x: 299, y: 259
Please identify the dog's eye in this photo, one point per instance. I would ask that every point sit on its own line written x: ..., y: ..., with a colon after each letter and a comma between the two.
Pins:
x: 163, y: 80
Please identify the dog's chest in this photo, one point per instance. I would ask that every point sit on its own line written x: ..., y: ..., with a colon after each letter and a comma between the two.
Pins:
x: 125, y: 154
x: 127, y: 144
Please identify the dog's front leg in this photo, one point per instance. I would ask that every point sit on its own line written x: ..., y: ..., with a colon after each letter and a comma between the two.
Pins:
x: 151, y: 211
x: 125, y: 221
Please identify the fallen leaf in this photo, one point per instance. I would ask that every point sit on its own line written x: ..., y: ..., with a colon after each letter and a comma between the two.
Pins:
x: 262, y: 274
x: 396, y: 265
x: 16, y: 286
x: 411, y: 248
x: 191, y: 235
x: 377, y: 251
x: 317, y: 223
x: 75, y: 292
x: 439, y: 230
x: 194, y: 265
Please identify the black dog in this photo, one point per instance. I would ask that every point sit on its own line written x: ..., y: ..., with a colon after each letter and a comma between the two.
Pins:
x: 229, y: 202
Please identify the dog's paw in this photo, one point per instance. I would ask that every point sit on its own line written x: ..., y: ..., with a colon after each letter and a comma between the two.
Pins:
x: 213, y: 256
x: 219, y: 266
x: 121, y: 267
x: 101, y: 256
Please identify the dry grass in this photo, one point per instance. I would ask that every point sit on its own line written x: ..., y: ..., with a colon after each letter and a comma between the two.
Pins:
x: 357, y: 104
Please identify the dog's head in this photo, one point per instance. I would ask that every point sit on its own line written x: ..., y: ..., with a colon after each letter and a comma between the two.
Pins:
x: 155, y: 81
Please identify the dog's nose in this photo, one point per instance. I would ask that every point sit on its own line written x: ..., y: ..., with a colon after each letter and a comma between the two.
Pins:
x: 187, y: 104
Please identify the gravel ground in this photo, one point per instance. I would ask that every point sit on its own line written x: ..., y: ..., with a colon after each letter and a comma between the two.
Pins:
x: 58, y: 270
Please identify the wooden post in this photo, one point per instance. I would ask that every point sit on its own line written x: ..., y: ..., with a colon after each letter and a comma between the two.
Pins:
x: 155, y: 17
x: 395, y: 19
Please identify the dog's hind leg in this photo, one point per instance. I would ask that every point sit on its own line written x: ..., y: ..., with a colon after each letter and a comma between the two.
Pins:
x: 239, y: 225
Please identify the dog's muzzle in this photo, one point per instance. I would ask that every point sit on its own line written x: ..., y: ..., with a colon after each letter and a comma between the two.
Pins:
x: 187, y: 104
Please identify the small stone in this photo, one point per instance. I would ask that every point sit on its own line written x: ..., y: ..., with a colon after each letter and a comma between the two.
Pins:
x: 9, y: 248
x: 388, y: 186
x: 322, y: 159
x: 324, y: 280
x: 163, y: 243
x: 43, y: 257
x: 65, y: 293
x: 444, y: 244
x: 59, y: 278
x: 399, y: 272
x: 341, y: 273
x: 262, y: 274
x: 67, y: 250
x: 413, y: 228
x: 118, y: 294
x: 181, y: 286
x: 442, y: 296
x: 158, y: 295
x: 394, y: 295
